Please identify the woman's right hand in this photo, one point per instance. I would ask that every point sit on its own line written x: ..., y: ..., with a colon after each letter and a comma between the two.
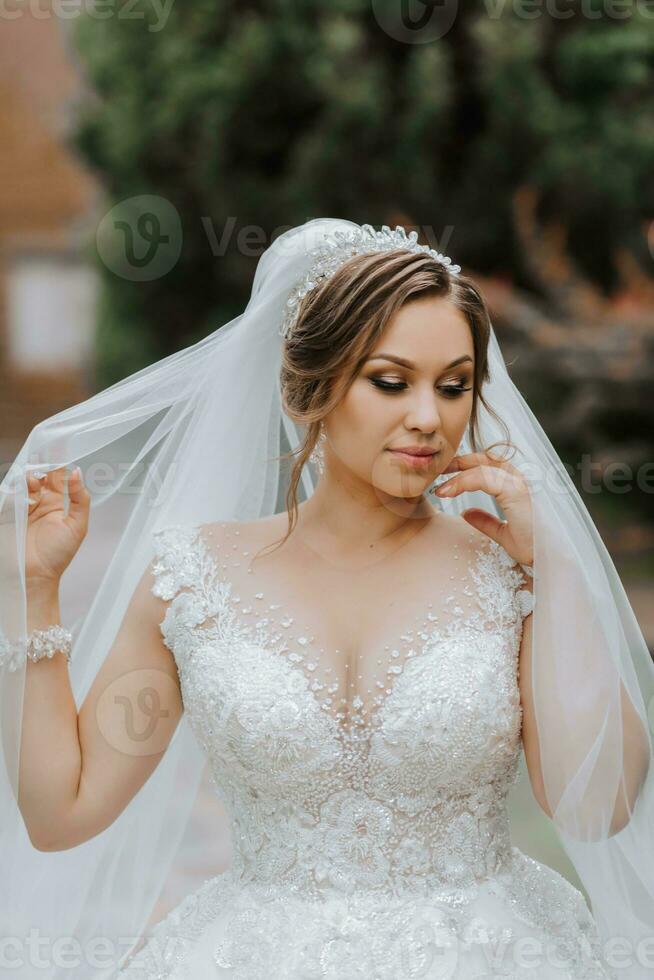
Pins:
x: 53, y: 537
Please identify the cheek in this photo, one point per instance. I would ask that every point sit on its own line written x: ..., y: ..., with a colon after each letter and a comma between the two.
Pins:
x: 454, y: 419
x: 364, y: 409
x: 456, y: 412
x: 360, y: 424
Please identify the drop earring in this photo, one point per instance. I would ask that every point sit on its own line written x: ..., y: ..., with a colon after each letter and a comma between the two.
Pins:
x: 317, y: 456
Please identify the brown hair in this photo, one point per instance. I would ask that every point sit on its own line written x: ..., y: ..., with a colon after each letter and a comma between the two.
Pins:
x: 338, y: 325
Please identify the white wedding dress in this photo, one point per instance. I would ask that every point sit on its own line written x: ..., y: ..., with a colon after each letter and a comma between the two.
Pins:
x: 370, y: 833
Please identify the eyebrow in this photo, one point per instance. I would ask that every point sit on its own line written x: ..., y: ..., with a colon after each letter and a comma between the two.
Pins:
x: 409, y: 364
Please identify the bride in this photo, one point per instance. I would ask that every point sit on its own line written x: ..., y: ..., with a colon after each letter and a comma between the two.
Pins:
x: 359, y: 670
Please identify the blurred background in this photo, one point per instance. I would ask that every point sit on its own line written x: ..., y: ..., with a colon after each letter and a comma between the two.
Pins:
x: 151, y: 151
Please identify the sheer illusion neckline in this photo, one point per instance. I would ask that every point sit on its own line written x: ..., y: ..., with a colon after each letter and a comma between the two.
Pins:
x: 300, y: 659
x: 377, y: 558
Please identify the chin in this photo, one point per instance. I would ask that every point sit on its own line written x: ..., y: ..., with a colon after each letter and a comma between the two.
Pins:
x: 412, y: 491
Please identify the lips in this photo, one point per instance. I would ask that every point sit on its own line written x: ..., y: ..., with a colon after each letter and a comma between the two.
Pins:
x: 415, y: 459
x: 415, y: 451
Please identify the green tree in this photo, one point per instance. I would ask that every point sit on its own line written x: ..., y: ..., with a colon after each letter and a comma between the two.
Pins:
x: 507, y: 134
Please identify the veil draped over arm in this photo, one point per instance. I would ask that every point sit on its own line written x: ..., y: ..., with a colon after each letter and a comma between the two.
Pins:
x: 166, y: 445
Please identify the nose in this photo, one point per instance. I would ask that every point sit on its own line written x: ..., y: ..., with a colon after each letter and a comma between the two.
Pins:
x: 424, y: 414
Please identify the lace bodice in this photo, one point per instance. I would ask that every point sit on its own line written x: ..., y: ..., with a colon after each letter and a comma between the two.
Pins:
x: 393, y: 779
x: 366, y: 786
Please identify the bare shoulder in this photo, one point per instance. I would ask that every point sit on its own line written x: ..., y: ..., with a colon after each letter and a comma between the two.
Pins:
x: 470, y: 541
x: 256, y: 533
x: 453, y: 529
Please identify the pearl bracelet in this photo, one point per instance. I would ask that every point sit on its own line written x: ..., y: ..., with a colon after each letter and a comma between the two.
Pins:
x: 39, y: 644
x: 47, y: 642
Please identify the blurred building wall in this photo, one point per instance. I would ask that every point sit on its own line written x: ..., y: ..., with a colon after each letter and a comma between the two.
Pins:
x: 48, y: 289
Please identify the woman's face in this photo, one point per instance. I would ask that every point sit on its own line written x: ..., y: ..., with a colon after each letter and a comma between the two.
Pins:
x: 425, y: 401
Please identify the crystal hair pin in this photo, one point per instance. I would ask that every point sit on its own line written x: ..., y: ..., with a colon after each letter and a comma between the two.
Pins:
x: 334, y: 250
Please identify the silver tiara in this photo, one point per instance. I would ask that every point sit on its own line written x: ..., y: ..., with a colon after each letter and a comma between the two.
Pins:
x: 334, y: 250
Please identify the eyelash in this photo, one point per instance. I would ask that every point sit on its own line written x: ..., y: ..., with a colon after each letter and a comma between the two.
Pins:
x: 450, y: 391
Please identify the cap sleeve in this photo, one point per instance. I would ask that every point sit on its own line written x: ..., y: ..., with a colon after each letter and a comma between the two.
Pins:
x: 176, y: 562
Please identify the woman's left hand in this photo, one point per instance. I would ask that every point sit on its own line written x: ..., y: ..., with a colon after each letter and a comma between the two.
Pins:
x: 484, y: 471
